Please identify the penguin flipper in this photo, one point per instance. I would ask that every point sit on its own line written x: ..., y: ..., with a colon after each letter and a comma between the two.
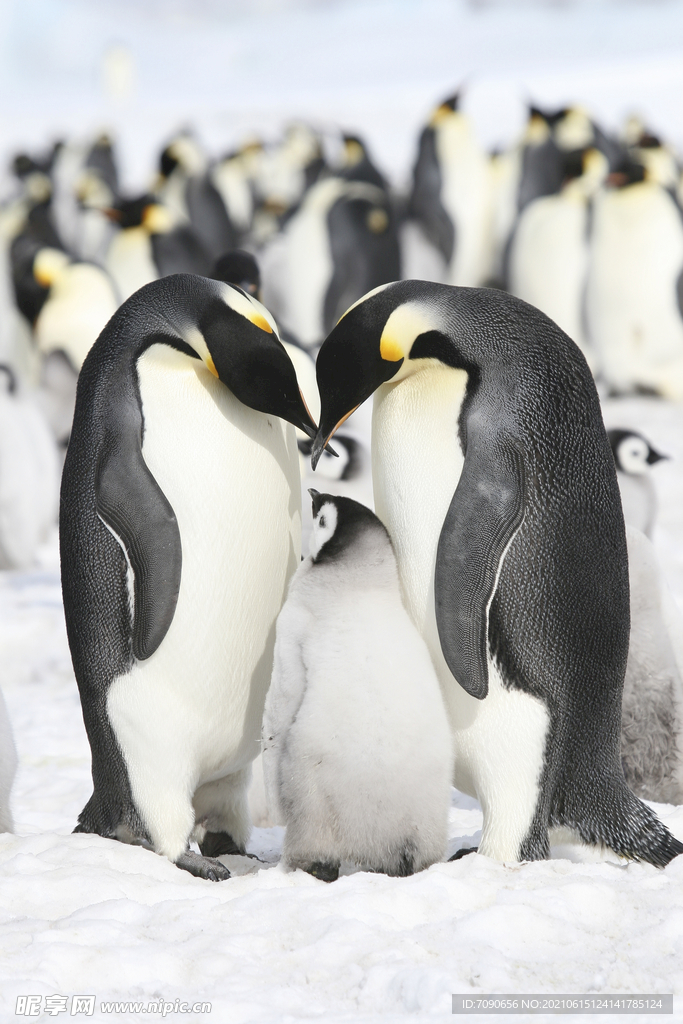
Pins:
x: 133, y: 506
x: 486, y: 511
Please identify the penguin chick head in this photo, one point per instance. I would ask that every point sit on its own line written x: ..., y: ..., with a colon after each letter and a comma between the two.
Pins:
x: 238, y: 341
x: 345, y: 529
x: 383, y: 337
x: 632, y: 453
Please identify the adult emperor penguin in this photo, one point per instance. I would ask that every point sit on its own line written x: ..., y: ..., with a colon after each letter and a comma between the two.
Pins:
x: 179, y: 528
x: 494, y: 477
x: 356, y: 745
x: 634, y: 294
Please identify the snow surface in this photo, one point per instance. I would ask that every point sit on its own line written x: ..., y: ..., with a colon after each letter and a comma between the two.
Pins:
x: 82, y: 914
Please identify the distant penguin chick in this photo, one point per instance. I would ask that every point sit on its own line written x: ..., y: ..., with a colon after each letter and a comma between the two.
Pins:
x: 652, y: 704
x: 8, y: 768
x: 356, y: 745
x: 29, y: 476
x: 634, y: 457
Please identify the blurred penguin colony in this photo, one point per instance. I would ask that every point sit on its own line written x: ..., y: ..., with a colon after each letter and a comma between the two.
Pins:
x: 585, y: 226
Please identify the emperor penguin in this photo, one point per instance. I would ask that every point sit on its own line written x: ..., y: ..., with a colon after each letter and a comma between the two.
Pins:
x: 634, y: 296
x: 356, y: 743
x: 186, y: 186
x: 652, y: 704
x: 549, y: 251
x: 179, y: 528
x: 341, y: 242
x: 493, y: 474
x: 153, y: 242
x: 452, y: 194
x: 634, y: 457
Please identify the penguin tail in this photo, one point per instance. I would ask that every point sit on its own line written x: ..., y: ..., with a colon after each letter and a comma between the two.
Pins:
x: 616, y: 818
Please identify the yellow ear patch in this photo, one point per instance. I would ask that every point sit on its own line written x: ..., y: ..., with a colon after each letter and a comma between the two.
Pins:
x: 210, y: 365
x: 250, y: 308
x: 404, y: 325
x: 261, y: 322
x: 390, y: 349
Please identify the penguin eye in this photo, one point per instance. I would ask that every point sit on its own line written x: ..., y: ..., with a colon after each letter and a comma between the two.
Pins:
x: 321, y: 522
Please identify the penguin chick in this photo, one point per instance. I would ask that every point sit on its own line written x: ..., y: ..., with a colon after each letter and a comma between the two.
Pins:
x: 652, y: 704
x: 8, y: 768
x: 29, y: 476
x: 356, y: 746
x: 634, y: 456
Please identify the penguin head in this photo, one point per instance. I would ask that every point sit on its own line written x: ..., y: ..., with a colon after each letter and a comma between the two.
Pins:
x: 632, y: 453
x: 144, y: 211
x: 48, y: 265
x: 239, y: 267
x: 237, y: 339
x: 343, y: 528
x: 445, y: 110
x: 385, y: 336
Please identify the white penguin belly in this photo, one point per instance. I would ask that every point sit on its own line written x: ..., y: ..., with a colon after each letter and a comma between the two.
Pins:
x: 191, y: 713
x: 499, y: 742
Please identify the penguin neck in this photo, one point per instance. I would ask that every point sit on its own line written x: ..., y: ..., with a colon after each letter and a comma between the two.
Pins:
x: 417, y: 460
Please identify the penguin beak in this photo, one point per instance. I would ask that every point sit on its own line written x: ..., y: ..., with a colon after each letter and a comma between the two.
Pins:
x: 322, y: 439
x: 653, y: 456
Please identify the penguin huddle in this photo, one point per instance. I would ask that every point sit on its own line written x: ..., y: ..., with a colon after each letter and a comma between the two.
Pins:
x: 184, y: 421
x: 480, y: 619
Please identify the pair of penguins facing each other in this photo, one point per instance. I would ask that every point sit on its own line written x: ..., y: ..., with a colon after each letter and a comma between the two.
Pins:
x: 180, y: 527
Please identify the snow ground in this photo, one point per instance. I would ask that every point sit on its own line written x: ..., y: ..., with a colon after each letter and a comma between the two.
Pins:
x: 81, y: 914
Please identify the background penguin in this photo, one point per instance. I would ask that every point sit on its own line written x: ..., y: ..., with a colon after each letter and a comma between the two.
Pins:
x: 652, y: 705
x: 81, y: 299
x: 185, y: 185
x: 171, y: 617
x: 494, y: 476
x: 451, y: 197
x: 8, y: 768
x: 634, y: 300
x: 29, y: 476
x: 548, y: 259
x: 341, y: 242
x: 153, y: 242
x: 356, y: 744
x: 633, y: 457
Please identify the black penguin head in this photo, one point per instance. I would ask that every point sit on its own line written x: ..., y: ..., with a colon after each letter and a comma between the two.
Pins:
x: 239, y: 267
x: 628, y: 172
x: 378, y: 339
x: 239, y: 343
x: 633, y: 454
x: 339, y: 525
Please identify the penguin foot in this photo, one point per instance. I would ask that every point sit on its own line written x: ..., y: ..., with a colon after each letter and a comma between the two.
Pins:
x: 326, y: 871
x: 462, y: 852
x: 202, y: 867
x: 215, y: 844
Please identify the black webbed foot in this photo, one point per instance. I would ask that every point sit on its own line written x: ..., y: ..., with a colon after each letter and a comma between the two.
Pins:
x: 216, y: 844
x: 459, y: 854
x: 326, y: 871
x: 202, y: 867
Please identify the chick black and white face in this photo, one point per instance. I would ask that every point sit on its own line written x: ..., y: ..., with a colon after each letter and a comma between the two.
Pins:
x: 632, y: 455
x: 324, y: 525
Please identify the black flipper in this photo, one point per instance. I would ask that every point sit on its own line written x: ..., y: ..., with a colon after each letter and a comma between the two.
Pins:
x: 132, y: 504
x: 486, y: 511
